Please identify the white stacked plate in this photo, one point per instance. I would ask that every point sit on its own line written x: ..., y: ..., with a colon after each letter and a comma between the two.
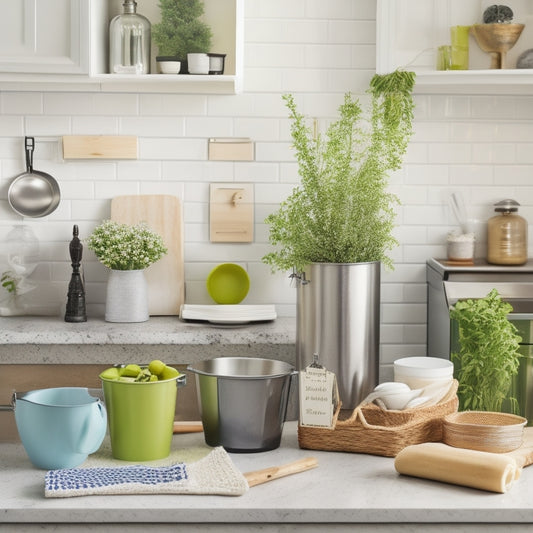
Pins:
x: 228, y: 314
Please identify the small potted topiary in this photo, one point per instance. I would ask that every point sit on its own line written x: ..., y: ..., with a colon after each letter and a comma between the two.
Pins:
x: 180, y: 32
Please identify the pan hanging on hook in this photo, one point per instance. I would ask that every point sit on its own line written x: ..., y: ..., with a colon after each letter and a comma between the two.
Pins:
x: 33, y: 193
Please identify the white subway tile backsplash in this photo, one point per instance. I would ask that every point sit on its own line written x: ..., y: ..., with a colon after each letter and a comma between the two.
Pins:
x: 494, y: 107
x: 139, y: 170
x: 472, y: 131
x: 279, y: 9
x: 109, y: 189
x: 524, y: 153
x: 515, y: 174
x: 162, y: 187
x: 261, y: 79
x: 152, y: 126
x: 472, y: 175
x: 77, y: 190
x: 21, y: 103
x: 178, y: 105
x: 404, y: 313
x: 258, y: 129
x: 195, y: 213
x: 497, y: 153
x: 94, y: 125
x: 47, y: 125
x: 264, y: 31
x: 209, y: 127
x: 197, y: 170
x: 273, y: 152
x: 12, y: 125
x: 363, y: 56
x: 333, y: 56
x: 449, y: 153
x: 168, y: 148
x: 478, y: 145
x: 340, y: 9
x: 352, y: 31
x: 302, y: 80
x: 232, y: 106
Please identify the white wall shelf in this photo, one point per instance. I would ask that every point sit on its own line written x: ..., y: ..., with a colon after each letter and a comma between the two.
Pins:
x: 226, y: 18
x: 409, y: 32
x: 148, y: 83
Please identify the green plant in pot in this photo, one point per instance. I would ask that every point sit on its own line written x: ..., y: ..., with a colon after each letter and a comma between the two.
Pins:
x: 336, y: 229
x: 181, y: 31
x: 487, y: 359
x: 126, y: 250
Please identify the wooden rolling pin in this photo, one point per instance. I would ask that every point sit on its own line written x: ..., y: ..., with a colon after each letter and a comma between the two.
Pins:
x: 275, y: 472
x: 188, y: 427
x: 471, y: 468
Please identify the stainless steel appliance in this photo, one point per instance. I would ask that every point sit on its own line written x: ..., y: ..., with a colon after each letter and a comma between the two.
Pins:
x: 449, y: 282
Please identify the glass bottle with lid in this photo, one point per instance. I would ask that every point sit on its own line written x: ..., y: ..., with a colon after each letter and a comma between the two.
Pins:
x: 507, y: 235
x: 129, y: 41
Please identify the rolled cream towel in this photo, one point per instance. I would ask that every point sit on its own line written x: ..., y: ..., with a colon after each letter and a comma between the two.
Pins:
x: 481, y: 470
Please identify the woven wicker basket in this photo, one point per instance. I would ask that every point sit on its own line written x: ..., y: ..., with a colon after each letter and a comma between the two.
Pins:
x: 370, y: 429
x: 485, y: 431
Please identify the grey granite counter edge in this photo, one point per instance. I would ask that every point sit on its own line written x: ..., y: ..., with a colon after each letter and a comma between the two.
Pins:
x: 157, y: 330
x: 188, y: 515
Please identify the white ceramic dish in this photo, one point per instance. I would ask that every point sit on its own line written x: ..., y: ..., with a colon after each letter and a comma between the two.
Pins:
x: 228, y: 314
x: 419, y: 372
x: 169, y: 67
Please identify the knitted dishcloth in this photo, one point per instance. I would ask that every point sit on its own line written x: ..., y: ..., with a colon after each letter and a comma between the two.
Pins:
x: 213, y: 474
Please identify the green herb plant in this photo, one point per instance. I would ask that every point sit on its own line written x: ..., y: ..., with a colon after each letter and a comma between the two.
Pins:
x: 181, y: 31
x: 126, y: 247
x: 341, y: 212
x: 9, y: 282
x: 488, y: 357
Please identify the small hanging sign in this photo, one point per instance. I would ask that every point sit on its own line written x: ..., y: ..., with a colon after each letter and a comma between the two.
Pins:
x: 319, y: 395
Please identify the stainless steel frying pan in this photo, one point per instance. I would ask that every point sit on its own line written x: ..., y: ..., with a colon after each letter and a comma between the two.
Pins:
x: 33, y: 193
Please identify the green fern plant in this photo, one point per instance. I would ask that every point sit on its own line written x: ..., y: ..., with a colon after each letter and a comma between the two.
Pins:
x: 341, y: 212
x: 181, y: 31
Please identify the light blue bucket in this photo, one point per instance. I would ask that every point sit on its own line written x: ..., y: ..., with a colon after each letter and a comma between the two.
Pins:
x: 59, y: 427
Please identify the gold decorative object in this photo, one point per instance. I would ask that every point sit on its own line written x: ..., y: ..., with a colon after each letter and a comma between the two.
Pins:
x: 496, y: 39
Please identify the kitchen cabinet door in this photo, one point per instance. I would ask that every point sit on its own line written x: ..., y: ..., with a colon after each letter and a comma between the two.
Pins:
x: 46, y: 36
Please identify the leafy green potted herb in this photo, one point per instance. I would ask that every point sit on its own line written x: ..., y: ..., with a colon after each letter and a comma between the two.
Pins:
x: 488, y: 356
x: 338, y: 221
x: 181, y: 31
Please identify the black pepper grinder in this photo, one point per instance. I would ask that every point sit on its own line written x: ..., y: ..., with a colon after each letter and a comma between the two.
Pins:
x: 75, y: 311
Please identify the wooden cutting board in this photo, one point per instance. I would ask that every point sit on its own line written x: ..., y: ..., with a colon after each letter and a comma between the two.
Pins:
x: 163, y: 214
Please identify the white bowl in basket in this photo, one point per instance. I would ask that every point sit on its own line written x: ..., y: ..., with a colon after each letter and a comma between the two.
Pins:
x: 419, y: 372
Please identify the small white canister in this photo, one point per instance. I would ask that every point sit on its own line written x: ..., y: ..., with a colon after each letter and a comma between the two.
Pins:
x: 460, y: 247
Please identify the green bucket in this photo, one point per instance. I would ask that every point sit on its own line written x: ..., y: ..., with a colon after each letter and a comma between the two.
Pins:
x: 141, y: 417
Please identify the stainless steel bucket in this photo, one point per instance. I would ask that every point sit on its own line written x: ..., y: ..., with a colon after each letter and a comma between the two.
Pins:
x: 243, y: 401
x: 338, y: 318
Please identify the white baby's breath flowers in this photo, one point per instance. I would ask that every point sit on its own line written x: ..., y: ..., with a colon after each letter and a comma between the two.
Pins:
x: 126, y: 247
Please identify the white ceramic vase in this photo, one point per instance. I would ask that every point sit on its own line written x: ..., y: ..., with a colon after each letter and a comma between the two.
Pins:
x: 127, y: 296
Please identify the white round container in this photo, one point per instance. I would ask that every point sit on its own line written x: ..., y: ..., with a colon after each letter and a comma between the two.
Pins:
x: 419, y: 372
x: 198, y: 63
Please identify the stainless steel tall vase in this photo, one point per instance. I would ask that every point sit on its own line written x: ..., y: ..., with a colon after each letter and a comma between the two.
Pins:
x: 338, y: 317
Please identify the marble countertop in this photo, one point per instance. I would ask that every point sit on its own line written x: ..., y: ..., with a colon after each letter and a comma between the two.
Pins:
x: 50, y: 340
x: 157, y: 330
x: 345, y: 489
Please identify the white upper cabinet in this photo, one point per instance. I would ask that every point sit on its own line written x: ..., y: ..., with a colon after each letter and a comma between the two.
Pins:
x: 63, y: 45
x: 409, y: 33
x: 51, y: 36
